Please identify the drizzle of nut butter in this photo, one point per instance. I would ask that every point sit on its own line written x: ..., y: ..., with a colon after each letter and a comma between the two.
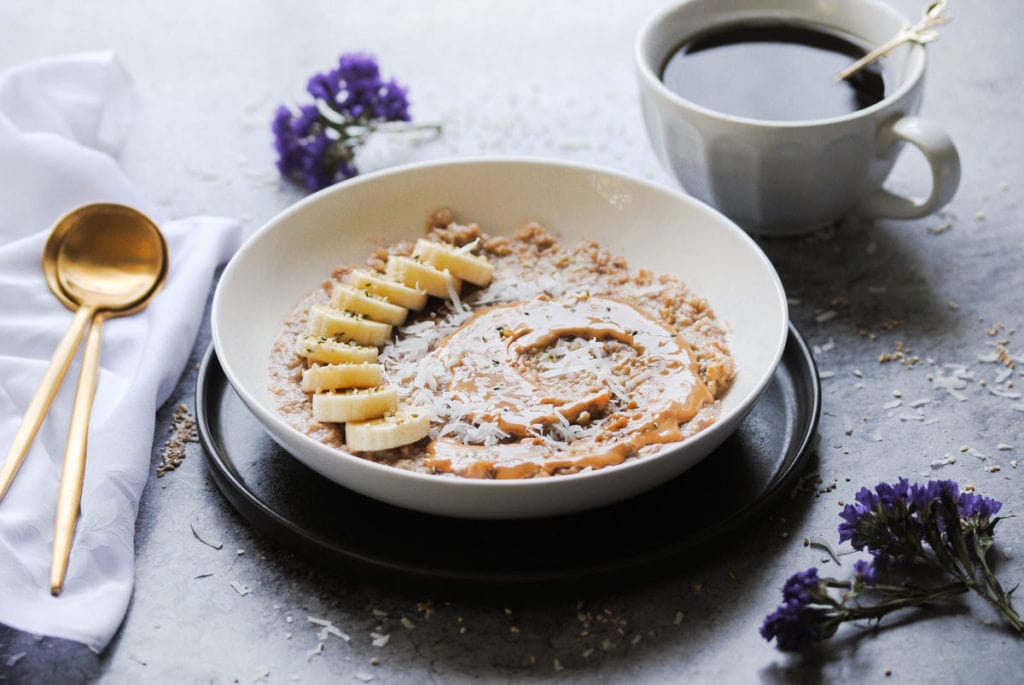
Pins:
x: 506, y: 363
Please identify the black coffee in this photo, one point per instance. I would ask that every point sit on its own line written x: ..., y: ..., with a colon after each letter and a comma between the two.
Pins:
x: 776, y: 72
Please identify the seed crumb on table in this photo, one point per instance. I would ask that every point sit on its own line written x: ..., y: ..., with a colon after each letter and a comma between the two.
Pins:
x: 183, y: 431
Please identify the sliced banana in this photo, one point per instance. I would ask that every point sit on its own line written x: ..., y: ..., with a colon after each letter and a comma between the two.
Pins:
x: 397, y: 293
x: 318, y: 349
x: 457, y: 260
x: 416, y: 274
x: 403, y: 427
x: 355, y: 405
x: 364, y: 302
x: 329, y: 322
x: 319, y: 378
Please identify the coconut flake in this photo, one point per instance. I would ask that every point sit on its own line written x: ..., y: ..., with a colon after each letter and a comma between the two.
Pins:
x: 825, y: 316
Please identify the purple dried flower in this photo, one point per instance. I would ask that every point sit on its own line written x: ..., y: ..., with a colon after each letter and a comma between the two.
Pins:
x: 359, y: 70
x: 894, y: 518
x: 285, y: 140
x: 865, y: 572
x: 799, y: 586
x: 319, y: 169
x: 852, y: 515
x: 929, y: 494
x: 972, y: 505
x: 876, y: 520
x: 324, y: 86
x: 794, y: 624
x: 316, y: 145
x: 394, y: 103
x: 893, y: 495
x: 904, y: 527
x: 292, y: 139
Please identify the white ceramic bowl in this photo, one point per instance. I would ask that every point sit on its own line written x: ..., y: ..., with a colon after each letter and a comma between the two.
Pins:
x: 652, y: 226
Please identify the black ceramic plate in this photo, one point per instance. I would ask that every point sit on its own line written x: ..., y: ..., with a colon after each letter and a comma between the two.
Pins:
x: 305, y: 511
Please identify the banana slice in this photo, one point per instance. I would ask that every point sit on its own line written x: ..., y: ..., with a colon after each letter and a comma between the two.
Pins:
x: 405, y: 426
x: 318, y: 378
x: 457, y: 260
x: 318, y: 349
x: 364, y: 302
x: 423, y: 276
x: 397, y: 293
x: 329, y: 322
x: 355, y: 405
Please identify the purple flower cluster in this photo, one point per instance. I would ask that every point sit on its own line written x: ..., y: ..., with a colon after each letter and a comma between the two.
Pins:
x: 896, y: 517
x: 865, y: 572
x: 794, y: 625
x: 316, y: 144
x: 356, y: 91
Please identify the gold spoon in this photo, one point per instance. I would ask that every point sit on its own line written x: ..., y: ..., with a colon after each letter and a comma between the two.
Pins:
x: 934, y: 15
x: 100, y: 260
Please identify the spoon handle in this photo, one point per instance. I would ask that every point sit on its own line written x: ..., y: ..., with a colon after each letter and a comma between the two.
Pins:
x: 882, y: 50
x: 73, y: 473
x: 935, y: 15
x: 47, y: 390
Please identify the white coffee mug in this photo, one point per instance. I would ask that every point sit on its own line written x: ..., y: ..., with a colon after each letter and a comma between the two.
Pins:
x: 786, y: 177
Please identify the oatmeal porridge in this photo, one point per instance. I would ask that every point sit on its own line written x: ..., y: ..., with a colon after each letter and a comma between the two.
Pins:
x: 499, y: 356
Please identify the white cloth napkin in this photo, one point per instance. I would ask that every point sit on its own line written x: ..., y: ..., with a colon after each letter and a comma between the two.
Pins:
x: 60, y: 121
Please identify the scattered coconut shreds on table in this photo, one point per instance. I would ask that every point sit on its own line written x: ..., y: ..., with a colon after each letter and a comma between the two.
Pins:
x: 216, y: 544
x: 824, y: 347
x: 327, y: 628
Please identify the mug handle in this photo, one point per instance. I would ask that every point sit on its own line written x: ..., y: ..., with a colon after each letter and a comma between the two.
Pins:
x: 942, y: 157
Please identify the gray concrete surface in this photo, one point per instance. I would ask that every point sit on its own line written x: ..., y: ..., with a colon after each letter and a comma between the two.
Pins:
x: 555, y: 80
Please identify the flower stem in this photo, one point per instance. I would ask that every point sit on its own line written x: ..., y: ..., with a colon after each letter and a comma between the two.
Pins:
x: 1001, y: 601
x: 907, y: 597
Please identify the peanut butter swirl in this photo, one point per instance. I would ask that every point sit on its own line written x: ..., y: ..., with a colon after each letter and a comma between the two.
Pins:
x: 564, y: 384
